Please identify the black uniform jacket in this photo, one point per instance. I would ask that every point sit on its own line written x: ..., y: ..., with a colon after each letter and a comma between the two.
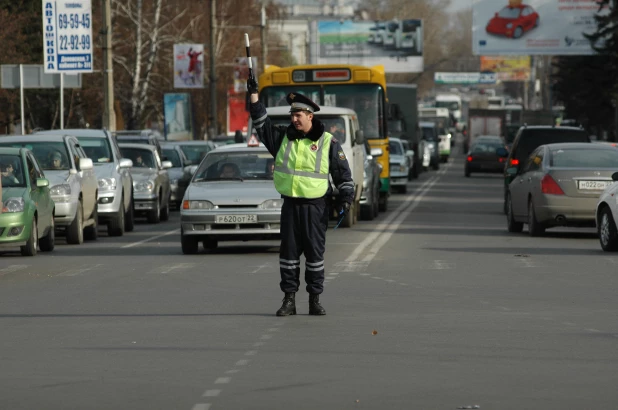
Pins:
x: 272, y: 137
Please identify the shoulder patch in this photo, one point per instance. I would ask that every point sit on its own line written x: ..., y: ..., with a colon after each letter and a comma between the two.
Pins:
x: 341, y: 155
x: 334, y: 140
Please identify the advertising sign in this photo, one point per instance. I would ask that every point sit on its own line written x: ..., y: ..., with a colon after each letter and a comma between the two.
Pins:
x: 237, y: 114
x: 67, y: 36
x: 395, y: 44
x: 507, y: 68
x: 178, y: 119
x: 188, y: 66
x: 536, y: 27
x: 241, y: 73
x: 464, y: 78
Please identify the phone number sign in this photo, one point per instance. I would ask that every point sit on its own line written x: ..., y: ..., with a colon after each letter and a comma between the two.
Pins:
x: 67, y: 36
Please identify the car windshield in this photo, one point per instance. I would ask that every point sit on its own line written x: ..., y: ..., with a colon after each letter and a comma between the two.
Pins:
x: 531, y: 139
x: 394, y: 148
x: 509, y: 13
x: 584, y: 158
x: 238, y: 165
x: 142, y: 158
x: 51, y: 155
x: 195, y: 153
x: 97, y: 149
x: 12, y: 172
x: 173, y: 156
x: 428, y: 133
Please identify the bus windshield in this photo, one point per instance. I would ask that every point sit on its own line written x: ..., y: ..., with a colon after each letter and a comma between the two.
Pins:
x: 365, y: 99
x: 451, y: 105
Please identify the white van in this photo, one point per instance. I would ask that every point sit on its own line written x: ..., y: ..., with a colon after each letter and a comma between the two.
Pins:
x: 349, y: 136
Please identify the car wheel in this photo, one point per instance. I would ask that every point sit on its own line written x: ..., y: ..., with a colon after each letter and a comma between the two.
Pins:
x: 376, y: 202
x: 115, y: 226
x: 30, y: 248
x: 535, y: 228
x: 91, y: 232
x: 48, y: 242
x: 367, y: 212
x: 518, y: 32
x: 512, y: 225
x: 608, y: 234
x: 165, y: 212
x: 154, y: 216
x: 75, y: 231
x: 129, y: 216
x: 210, y: 243
x: 188, y: 244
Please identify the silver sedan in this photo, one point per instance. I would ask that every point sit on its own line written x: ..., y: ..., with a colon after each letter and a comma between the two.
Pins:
x: 231, y: 197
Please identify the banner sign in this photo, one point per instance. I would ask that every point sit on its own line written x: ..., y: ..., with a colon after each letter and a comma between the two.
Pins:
x: 464, y: 78
x: 188, y: 66
x: 395, y: 44
x: 507, y: 68
x: 237, y: 114
x: 178, y: 118
x: 536, y: 27
x: 67, y: 36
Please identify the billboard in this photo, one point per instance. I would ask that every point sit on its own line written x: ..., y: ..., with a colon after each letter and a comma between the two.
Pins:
x: 178, y: 118
x: 536, y: 27
x: 395, y: 44
x: 188, y: 66
x: 516, y: 68
x: 464, y: 78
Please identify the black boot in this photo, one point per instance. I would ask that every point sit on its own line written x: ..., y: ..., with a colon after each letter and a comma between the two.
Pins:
x: 314, y: 306
x: 288, y: 307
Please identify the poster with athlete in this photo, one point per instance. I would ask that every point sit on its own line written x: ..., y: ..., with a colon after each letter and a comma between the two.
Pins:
x: 188, y: 66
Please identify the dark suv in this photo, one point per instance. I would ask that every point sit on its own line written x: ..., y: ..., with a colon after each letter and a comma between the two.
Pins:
x: 528, y: 139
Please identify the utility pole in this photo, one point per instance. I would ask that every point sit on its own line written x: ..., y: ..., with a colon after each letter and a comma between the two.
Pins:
x: 213, y: 89
x: 263, y: 39
x: 109, y: 116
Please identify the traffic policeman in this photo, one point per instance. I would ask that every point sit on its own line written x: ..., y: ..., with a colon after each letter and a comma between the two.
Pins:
x: 305, y: 155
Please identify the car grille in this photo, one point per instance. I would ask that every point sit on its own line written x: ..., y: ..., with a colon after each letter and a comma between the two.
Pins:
x: 237, y: 206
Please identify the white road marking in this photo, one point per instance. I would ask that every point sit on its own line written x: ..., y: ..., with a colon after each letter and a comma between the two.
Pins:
x: 258, y: 344
x: 211, y: 393
x: 390, y: 280
x: 403, y: 284
x: 223, y: 380
x: 175, y: 267
x: 243, y: 362
x: 232, y: 371
x: 202, y: 406
x: 251, y: 353
x: 376, y: 277
x: 365, y: 274
x: 152, y: 238
x: 80, y: 270
x: 441, y: 265
x: 350, y: 266
x: 12, y: 268
x: 593, y: 330
x: 273, y: 329
x: 260, y: 267
x: 265, y: 337
x: 569, y: 324
x: 333, y: 273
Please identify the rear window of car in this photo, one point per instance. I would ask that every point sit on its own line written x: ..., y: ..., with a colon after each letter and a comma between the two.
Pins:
x: 531, y: 139
x: 584, y: 158
x: 485, y: 146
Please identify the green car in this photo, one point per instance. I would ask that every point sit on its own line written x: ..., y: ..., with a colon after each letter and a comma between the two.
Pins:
x: 27, y: 217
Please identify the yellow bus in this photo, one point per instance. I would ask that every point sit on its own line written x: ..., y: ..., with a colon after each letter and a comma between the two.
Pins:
x: 362, y: 89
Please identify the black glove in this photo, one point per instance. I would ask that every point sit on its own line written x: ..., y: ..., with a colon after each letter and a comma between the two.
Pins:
x: 252, y: 86
x: 345, y: 209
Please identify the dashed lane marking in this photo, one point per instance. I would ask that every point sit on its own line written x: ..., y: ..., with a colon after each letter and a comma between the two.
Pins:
x: 223, y: 380
x: 175, y: 268
x: 152, y: 238
x: 80, y: 270
x: 12, y: 268
x: 211, y: 393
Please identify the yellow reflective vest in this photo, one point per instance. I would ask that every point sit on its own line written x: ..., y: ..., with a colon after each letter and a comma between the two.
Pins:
x: 301, y: 167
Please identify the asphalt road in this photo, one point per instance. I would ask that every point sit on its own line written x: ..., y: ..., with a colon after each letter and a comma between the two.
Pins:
x: 432, y: 306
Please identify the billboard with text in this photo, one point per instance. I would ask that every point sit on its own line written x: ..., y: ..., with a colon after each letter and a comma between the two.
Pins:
x: 515, y: 68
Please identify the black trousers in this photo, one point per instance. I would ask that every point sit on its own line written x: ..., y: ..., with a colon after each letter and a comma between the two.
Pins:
x: 303, y: 231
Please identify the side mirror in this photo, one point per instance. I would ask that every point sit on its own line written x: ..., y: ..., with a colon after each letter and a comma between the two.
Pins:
x: 125, y: 163
x: 513, y: 171
x: 376, y: 152
x: 85, y: 164
x: 42, y: 183
x: 502, y: 152
x: 190, y: 169
x: 615, y: 176
x: 166, y: 164
x: 360, y: 137
x: 410, y: 152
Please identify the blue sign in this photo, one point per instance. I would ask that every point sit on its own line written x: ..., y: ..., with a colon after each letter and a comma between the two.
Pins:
x: 67, y: 36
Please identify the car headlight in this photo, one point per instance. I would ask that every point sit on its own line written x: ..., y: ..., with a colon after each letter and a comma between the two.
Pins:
x: 509, y: 25
x: 107, y: 184
x: 197, y: 205
x: 272, y: 204
x: 143, y: 186
x: 60, y: 190
x: 14, y: 205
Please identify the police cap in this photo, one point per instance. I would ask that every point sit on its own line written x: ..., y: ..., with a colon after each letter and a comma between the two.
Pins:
x: 299, y: 102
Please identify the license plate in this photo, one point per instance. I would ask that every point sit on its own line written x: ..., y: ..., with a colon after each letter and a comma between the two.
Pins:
x: 594, y: 185
x: 236, y: 219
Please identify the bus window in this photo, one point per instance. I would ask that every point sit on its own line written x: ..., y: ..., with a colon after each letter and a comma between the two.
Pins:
x: 365, y: 99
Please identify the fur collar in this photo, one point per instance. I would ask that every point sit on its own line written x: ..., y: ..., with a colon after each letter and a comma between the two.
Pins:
x: 317, y: 129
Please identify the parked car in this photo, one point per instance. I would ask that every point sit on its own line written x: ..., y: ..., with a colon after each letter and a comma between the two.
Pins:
x: 139, y: 137
x: 486, y: 155
x: 559, y: 185
x: 410, y: 155
x: 151, y: 183
x: 179, y: 175
x: 399, y: 165
x: 73, y: 181
x: 513, y: 21
x: 529, y: 138
x: 431, y: 157
x: 27, y: 217
x: 231, y: 197
x: 606, y: 216
x: 370, y: 197
x: 115, y: 194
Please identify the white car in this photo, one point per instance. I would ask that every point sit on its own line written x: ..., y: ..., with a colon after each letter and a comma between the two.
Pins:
x: 399, y: 165
x: 72, y: 181
x: 606, y: 216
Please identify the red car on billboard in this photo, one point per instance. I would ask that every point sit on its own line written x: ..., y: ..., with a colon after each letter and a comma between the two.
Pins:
x: 513, y: 21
